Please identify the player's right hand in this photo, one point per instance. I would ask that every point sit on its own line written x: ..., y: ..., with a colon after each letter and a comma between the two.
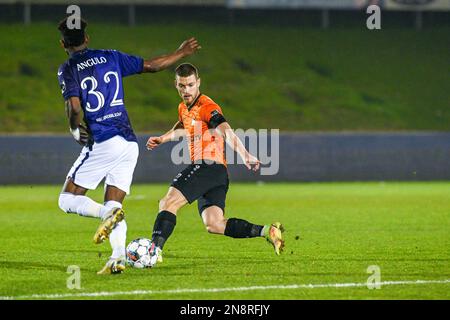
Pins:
x: 252, y: 163
x: 189, y: 46
x: 153, y: 142
x: 82, y: 135
x: 85, y: 137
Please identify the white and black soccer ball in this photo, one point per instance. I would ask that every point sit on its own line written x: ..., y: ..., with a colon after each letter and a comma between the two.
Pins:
x: 138, y: 253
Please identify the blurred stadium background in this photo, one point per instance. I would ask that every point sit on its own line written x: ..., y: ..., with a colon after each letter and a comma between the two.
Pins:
x: 350, y: 103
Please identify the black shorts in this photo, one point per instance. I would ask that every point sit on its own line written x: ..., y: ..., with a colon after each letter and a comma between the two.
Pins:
x: 207, y: 183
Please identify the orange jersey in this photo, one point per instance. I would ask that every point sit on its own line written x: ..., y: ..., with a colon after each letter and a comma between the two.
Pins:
x: 205, y: 143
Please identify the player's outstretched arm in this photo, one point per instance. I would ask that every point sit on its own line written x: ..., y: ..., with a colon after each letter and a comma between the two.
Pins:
x: 173, y: 134
x: 251, y: 162
x: 159, y: 63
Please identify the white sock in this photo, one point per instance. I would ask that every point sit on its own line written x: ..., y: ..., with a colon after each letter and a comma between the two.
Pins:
x: 117, y: 239
x: 118, y: 236
x: 103, y: 212
x: 81, y: 205
x: 263, y: 230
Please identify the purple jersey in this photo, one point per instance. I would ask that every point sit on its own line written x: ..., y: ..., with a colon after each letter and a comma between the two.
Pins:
x: 95, y: 76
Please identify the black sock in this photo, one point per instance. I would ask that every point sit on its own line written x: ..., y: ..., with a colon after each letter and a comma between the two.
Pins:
x: 164, y: 224
x: 238, y: 228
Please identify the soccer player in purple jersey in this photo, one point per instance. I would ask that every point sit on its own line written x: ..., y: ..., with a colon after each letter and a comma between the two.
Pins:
x: 91, y: 84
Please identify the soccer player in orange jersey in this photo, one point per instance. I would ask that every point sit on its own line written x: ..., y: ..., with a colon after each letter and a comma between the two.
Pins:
x: 206, y: 179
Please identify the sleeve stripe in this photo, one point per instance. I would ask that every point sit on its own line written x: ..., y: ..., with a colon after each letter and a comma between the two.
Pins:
x: 216, y: 120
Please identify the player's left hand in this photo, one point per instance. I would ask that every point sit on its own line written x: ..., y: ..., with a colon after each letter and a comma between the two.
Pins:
x: 252, y: 163
x: 189, y: 46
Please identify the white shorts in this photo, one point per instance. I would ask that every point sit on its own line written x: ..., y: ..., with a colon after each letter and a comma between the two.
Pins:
x: 113, y: 159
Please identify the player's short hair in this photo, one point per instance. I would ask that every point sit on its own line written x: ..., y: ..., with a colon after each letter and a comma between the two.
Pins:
x: 186, y: 70
x: 72, y: 37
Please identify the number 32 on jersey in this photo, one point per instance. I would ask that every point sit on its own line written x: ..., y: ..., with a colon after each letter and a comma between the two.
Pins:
x: 100, y: 97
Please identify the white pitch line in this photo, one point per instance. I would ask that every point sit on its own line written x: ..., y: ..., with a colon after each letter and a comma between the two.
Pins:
x: 213, y: 290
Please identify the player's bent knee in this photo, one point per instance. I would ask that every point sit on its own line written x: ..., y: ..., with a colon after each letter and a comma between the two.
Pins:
x: 64, y: 202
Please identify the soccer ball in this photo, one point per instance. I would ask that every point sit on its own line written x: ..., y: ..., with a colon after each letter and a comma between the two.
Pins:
x: 138, y: 255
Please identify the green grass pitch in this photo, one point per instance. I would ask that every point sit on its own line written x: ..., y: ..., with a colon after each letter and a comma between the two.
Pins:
x: 335, y: 231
